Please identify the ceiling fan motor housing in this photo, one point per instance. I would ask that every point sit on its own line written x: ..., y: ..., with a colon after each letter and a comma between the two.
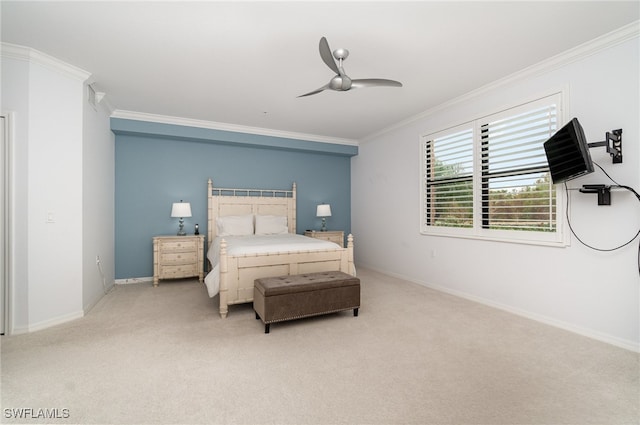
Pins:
x: 340, y: 83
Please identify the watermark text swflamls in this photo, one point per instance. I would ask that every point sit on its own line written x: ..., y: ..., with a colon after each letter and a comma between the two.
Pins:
x: 31, y: 413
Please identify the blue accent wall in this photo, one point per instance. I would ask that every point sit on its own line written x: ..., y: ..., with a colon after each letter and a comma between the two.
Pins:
x: 158, y: 164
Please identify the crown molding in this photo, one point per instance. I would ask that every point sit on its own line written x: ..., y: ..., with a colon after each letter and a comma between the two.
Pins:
x: 213, y: 125
x: 14, y: 51
x: 606, y: 41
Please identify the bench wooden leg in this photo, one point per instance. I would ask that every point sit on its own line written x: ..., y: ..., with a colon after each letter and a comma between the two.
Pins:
x: 355, y: 312
x: 257, y: 317
x: 266, y: 327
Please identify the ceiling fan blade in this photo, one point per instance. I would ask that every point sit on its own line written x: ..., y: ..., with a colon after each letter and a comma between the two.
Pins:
x: 315, y: 91
x: 327, y: 57
x: 374, y: 82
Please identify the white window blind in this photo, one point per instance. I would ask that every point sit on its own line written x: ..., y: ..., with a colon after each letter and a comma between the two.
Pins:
x: 449, y: 180
x: 517, y: 193
x: 490, y: 178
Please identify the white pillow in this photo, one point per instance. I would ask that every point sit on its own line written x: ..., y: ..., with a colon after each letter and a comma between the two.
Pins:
x: 271, y: 225
x: 235, y: 225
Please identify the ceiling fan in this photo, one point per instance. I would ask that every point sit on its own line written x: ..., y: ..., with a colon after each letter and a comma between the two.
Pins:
x: 341, y: 82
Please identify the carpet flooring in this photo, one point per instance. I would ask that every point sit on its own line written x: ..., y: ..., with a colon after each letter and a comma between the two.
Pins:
x: 163, y: 355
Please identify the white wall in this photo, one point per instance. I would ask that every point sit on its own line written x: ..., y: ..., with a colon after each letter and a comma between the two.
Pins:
x: 98, y: 191
x: 589, y: 292
x: 54, y: 161
x: 49, y: 207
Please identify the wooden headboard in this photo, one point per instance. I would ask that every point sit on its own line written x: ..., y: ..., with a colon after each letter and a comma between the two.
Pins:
x: 224, y: 201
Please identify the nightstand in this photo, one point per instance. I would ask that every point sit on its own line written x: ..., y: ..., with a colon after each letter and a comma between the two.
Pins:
x: 336, y: 236
x: 177, y: 257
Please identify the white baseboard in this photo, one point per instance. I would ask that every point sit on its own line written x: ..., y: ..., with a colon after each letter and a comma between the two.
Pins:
x: 589, y: 333
x: 18, y: 330
x: 133, y: 280
x: 38, y: 326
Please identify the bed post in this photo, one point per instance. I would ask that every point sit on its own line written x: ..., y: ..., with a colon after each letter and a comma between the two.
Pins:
x: 352, y: 268
x: 224, y: 287
x: 209, y: 211
x: 292, y: 207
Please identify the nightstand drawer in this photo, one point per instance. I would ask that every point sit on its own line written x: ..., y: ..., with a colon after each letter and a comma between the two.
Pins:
x: 175, y: 246
x: 335, y: 236
x: 331, y: 238
x: 176, y: 272
x: 178, y: 258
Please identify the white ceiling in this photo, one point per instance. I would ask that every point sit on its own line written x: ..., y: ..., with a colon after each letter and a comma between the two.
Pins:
x: 245, y: 63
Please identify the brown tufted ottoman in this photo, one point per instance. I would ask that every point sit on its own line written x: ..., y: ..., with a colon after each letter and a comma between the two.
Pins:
x: 277, y: 299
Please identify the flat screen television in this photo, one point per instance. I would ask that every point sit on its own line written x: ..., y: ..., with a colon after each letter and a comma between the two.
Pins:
x: 568, y: 153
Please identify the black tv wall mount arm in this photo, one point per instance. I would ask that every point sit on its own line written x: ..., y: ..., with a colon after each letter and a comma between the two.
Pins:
x: 613, y: 143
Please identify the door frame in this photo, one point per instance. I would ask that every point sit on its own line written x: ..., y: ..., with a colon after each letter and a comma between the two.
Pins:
x: 6, y: 234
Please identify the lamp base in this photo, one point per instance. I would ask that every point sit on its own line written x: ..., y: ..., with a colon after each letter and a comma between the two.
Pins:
x: 181, y: 231
x: 324, y: 225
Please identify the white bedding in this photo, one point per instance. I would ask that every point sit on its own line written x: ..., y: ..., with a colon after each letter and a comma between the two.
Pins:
x: 255, y: 245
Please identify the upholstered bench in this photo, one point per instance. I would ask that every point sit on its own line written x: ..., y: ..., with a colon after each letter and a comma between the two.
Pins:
x: 277, y: 299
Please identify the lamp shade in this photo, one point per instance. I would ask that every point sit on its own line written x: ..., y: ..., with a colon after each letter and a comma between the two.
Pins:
x: 181, y: 209
x: 323, y: 210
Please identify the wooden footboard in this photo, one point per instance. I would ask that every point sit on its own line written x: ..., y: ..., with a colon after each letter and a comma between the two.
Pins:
x: 238, y: 273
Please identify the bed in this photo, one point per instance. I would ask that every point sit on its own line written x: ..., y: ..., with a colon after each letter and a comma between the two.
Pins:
x: 252, y: 234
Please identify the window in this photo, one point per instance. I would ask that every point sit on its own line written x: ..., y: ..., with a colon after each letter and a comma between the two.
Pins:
x: 490, y: 179
x: 449, y: 180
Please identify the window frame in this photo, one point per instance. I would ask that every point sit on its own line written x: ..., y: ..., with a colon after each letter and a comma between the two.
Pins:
x: 557, y: 238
